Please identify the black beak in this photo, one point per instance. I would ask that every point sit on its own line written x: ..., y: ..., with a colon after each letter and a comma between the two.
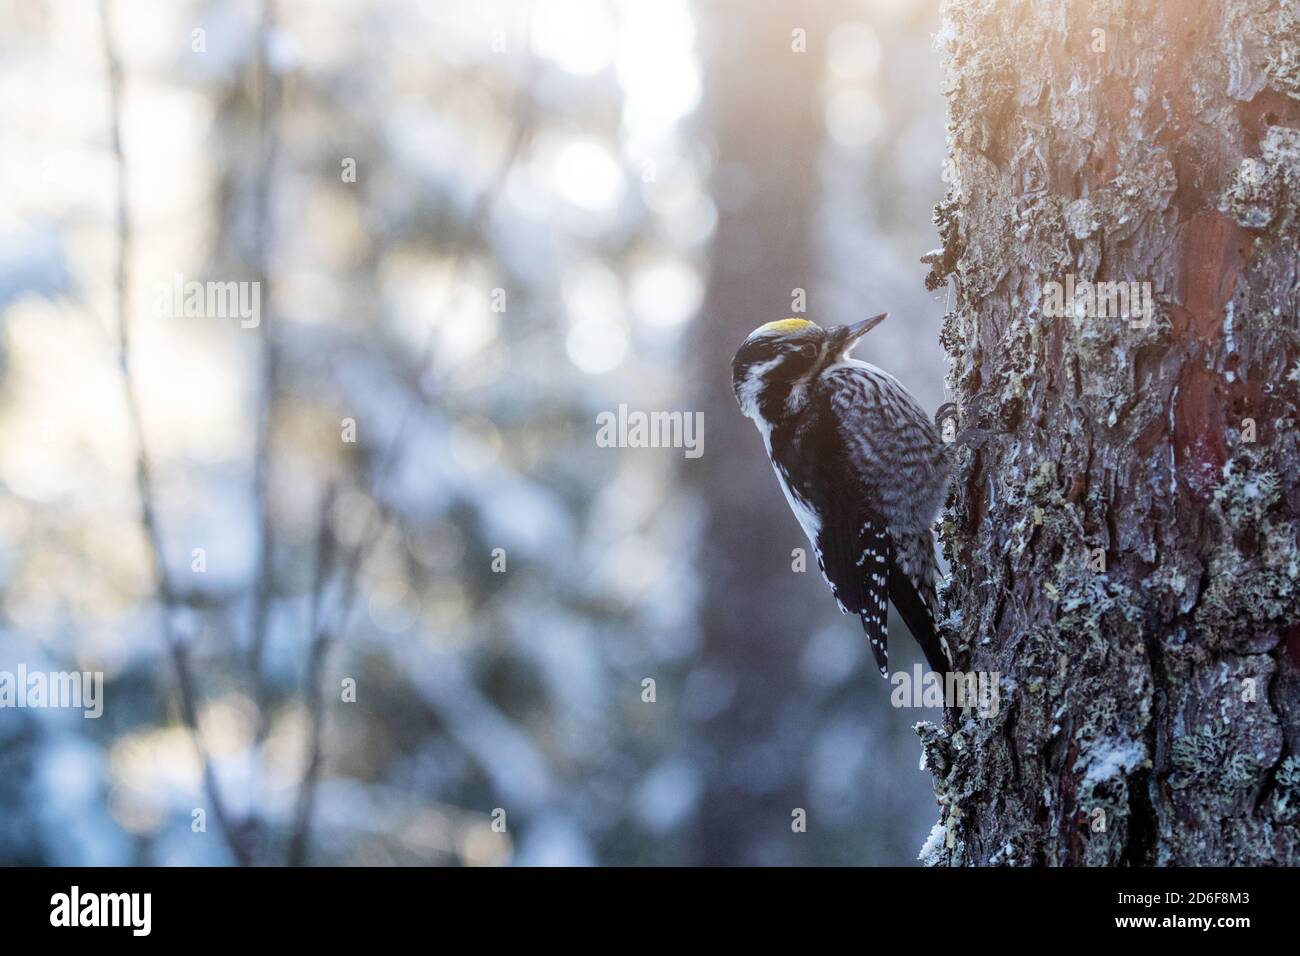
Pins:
x: 858, y: 329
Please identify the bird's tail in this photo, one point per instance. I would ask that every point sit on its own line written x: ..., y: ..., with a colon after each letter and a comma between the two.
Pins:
x: 912, y: 589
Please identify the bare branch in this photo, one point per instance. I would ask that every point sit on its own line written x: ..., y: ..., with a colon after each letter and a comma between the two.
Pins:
x: 325, y: 629
x: 263, y: 576
x: 312, y: 694
x: 143, y: 469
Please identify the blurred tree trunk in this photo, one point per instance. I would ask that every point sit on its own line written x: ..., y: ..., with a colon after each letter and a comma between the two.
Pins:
x: 767, y: 130
x: 1122, y: 527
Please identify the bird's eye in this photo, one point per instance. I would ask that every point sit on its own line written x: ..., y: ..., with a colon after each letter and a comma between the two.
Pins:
x: 807, y: 350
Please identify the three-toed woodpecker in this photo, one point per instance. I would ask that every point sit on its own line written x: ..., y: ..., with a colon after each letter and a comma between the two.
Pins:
x: 863, y: 467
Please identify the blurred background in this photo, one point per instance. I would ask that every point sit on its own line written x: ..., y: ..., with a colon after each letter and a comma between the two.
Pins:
x: 475, y: 226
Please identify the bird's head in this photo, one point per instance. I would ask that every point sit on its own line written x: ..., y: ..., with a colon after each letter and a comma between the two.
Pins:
x: 774, y: 365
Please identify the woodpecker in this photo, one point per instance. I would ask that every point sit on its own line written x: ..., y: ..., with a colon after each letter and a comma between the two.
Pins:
x: 862, y: 466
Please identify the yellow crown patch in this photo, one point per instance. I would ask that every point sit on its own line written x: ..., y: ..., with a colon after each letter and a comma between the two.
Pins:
x: 784, y: 325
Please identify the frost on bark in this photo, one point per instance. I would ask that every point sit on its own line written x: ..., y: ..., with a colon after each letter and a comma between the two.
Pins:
x: 1123, y: 554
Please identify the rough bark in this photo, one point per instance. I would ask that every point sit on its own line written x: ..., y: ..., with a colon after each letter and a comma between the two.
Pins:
x: 1158, y: 697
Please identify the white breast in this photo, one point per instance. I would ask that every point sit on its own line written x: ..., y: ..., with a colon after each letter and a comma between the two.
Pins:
x: 807, y: 518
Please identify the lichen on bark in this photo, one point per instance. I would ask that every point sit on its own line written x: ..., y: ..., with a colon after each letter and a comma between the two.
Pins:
x: 1122, y: 527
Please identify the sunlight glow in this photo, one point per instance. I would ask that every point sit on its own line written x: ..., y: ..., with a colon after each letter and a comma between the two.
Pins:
x: 577, y: 35
x: 591, y: 290
x: 468, y: 325
x: 656, y: 64
x: 853, y: 51
x: 853, y: 118
x: 666, y: 292
x: 587, y: 175
x: 596, y: 345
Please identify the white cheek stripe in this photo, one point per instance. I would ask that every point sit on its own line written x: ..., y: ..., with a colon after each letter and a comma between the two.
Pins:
x: 749, y: 390
x: 752, y: 385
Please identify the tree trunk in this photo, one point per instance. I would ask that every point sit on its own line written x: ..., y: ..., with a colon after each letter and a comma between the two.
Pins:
x: 1122, y: 526
x: 764, y: 113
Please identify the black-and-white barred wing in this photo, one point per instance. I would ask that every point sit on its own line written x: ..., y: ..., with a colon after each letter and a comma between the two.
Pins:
x: 894, y: 449
x: 856, y: 556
